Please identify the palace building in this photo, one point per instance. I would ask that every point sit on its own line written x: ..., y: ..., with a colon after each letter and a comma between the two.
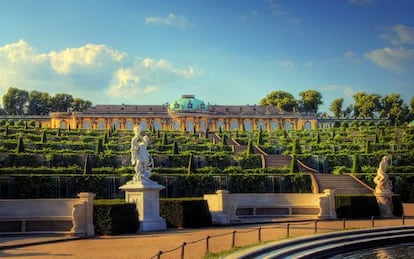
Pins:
x: 184, y: 114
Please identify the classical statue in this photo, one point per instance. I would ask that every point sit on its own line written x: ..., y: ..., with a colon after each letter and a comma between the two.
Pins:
x: 140, y: 158
x: 383, y: 183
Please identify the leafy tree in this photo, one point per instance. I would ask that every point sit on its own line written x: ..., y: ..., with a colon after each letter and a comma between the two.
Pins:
x: 87, y: 167
x: 175, y: 148
x: 99, y: 147
x: 280, y: 99
x: 191, y: 169
x: 311, y: 99
x: 249, y: 149
x: 39, y: 103
x: 164, y: 139
x: 61, y: 102
x: 366, y: 104
x: 80, y: 105
x: 44, y: 138
x: 394, y: 108
x: 336, y: 107
x: 15, y: 100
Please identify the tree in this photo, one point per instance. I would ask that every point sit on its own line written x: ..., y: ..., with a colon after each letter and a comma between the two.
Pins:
x: 80, y: 105
x: 394, y: 108
x: 99, y: 147
x: 44, y: 138
x: 15, y: 101
x: 39, y: 103
x: 191, y: 169
x: 20, y: 145
x: 336, y: 107
x: 61, y: 102
x: 249, y: 149
x: 310, y: 101
x: 280, y: 99
x: 366, y: 104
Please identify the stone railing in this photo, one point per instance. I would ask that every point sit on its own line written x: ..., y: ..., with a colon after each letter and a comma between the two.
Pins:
x: 74, y: 216
x: 226, y: 207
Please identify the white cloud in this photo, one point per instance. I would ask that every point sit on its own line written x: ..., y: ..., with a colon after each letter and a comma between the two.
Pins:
x: 89, y: 55
x: 361, y: 2
x: 169, y: 20
x: 395, y: 59
x: 279, y: 11
x: 286, y: 64
x: 398, y: 34
x: 92, y: 72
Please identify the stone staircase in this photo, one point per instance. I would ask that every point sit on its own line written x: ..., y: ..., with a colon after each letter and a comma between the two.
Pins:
x: 342, y: 184
x: 277, y: 161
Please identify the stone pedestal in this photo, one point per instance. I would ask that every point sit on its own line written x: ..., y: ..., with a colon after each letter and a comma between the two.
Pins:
x: 145, y: 194
x: 384, y: 200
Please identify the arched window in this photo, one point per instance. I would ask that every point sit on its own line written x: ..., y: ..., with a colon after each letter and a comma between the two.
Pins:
x: 157, y: 125
x: 62, y: 124
x: 86, y: 125
x: 143, y: 125
x: 190, y: 126
x: 220, y: 124
x: 101, y: 125
x: 203, y: 126
x: 176, y: 125
x: 261, y: 125
x: 288, y: 126
x: 308, y: 125
x: 234, y: 125
x: 247, y: 125
x: 129, y: 125
x: 275, y: 125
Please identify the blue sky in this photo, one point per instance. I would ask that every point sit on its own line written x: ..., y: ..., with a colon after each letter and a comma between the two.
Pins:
x: 224, y: 52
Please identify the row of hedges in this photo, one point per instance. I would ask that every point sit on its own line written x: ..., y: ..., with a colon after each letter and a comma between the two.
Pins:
x: 117, y: 217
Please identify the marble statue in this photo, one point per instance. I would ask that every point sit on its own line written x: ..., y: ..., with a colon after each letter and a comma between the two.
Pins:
x: 140, y: 158
x: 383, y: 183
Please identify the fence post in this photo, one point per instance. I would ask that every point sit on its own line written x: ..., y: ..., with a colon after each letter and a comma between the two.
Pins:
x: 343, y: 223
x: 233, y: 241
x: 372, y: 221
x: 159, y: 254
x: 287, y: 230
x: 316, y: 226
x: 182, y: 249
x: 207, y: 244
x: 260, y: 234
x: 403, y: 220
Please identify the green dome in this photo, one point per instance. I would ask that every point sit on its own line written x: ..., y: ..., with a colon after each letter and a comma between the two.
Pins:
x: 188, y: 103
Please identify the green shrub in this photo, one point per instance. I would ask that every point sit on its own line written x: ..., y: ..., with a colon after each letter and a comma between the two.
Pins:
x: 356, y: 206
x: 112, y: 217
x: 185, y: 212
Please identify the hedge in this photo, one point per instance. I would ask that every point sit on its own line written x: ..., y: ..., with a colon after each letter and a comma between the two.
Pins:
x: 185, y: 212
x: 112, y: 217
x: 356, y: 206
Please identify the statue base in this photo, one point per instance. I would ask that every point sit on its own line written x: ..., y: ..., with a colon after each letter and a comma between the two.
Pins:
x: 145, y: 194
x: 384, y: 200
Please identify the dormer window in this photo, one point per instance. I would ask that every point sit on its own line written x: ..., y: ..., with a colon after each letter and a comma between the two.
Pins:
x: 189, y: 105
x: 176, y: 105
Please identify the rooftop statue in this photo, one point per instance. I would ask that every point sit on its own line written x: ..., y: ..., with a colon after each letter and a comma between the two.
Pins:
x: 383, y: 183
x: 140, y: 157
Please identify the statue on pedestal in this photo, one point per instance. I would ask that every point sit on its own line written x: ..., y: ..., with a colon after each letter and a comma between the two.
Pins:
x: 140, y: 157
x: 383, y: 183
x: 383, y: 190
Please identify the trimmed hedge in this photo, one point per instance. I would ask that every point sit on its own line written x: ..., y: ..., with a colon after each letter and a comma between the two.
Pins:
x: 362, y: 206
x: 112, y: 217
x: 185, y: 212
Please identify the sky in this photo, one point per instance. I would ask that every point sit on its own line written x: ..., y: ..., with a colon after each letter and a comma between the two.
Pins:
x: 224, y: 52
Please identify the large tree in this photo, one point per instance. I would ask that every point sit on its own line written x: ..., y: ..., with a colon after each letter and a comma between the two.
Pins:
x: 80, y: 105
x: 39, y: 103
x: 394, y: 108
x: 311, y: 99
x: 15, y: 101
x: 61, y: 102
x: 336, y: 107
x: 282, y: 100
x: 366, y: 105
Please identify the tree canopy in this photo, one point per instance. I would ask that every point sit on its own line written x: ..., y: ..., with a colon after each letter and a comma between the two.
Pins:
x: 280, y: 99
x: 18, y: 102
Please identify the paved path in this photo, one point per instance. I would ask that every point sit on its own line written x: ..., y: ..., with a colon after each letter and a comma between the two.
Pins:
x: 147, y: 245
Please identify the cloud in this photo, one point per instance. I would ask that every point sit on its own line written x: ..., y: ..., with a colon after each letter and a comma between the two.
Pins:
x: 344, y: 90
x: 279, y: 11
x: 398, y: 34
x: 89, y: 55
x: 286, y: 64
x: 396, y: 59
x: 169, y: 20
x: 93, y: 72
x: 361, y: 2
x: 146, y: 76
